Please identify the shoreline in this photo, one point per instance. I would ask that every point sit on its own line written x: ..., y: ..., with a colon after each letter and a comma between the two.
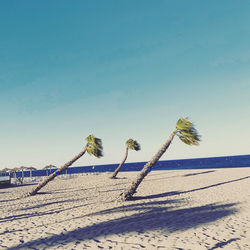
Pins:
x: 218, y: 162
x: 37, y: 179
x: 185, y: 209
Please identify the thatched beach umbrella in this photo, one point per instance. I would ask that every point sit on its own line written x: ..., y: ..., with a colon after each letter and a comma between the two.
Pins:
x: 49, y: 167
x: 6, y: 170
x: 22, y: 168
x: 14, y: 170
x: 31, y: 168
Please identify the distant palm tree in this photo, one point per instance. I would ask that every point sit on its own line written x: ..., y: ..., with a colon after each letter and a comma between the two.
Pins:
x: 130, y: 144
x: 93, y: 147
x: 185, y: 131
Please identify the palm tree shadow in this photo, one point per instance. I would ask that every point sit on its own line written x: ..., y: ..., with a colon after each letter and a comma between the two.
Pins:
x: 52, y: 203
x: 111, y: 190
x: 14, y: 199
x: 171, y: 177
x: 39, y: 214
x: 187, y: 191
x: 63, y: 190
x: 214, y: 185
x: 206, y: 172
x: 19, y: 185
x: 154, y: 218
x: 119, y: 178
x: 224, y: 243
x: 155, y: 196
x: 44, y: 192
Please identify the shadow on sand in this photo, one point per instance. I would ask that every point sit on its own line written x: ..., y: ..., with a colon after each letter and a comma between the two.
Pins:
x: 224, y: 243
x: 206, y: 172
x: 214, y: 185
x: 154, y: 218
x: 49, y: 212
x: 157, y: 215
x: 187, y: 191
x: 175, y: 176
x: 19, y: 185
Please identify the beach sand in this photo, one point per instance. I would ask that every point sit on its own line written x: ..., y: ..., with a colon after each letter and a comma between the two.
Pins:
x: 181, y: 209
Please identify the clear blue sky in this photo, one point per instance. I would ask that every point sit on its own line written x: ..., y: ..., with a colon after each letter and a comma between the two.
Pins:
x: 120, y: 70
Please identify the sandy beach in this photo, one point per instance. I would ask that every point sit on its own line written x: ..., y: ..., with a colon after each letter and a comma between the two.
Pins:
x: 181, y: 209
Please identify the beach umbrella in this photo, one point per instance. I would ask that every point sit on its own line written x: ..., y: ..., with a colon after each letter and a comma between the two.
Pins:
x: 14, y: 170
x: 93, y: 147
x: 130, y: 144
x: 6, y: 170
x: 185, y: 131
x: 48, y: 168
x: 31, y: 168
x: 22, y: 168
x: 10, y: 170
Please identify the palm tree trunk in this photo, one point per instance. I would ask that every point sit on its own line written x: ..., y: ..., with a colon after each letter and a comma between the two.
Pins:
x: 53, y: 175
x: 128, y: 193
x: 113, y: 176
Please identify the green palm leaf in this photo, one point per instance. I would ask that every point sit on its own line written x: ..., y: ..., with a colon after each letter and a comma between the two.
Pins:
x: 132, y: 144
x: 187, y: 132
x: 94, y: 146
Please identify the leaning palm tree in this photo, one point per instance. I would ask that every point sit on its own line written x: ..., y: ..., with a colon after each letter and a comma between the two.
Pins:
x: 93, y: 147
x: 185, y: 131
x: 130, y: 144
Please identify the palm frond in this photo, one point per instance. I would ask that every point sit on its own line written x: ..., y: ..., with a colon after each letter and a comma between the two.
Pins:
x: 94, y: 146
x: 187, y: 132
x: 184, y: 124
x: 31, y: 168
x: 133, y: 144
